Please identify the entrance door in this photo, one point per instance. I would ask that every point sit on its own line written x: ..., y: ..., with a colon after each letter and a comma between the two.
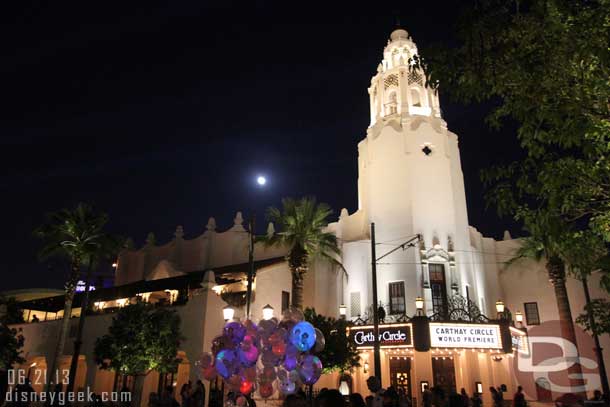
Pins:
x: 400, y: 373
x: 443, y: 371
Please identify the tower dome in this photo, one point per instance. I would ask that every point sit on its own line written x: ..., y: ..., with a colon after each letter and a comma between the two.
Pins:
x: 399, y: 90
x: 399, y: 34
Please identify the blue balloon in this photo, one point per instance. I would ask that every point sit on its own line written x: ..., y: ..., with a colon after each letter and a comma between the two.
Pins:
x: 226, y: 363
x: 303, y: 336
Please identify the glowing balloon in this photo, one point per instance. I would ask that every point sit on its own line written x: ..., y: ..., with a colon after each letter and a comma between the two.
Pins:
x: 234, y: 382
x: 206, y: 360
x: 251, y: 329
x: 235, y: 331
x: 320, y: 341
x: 310, y: 369
x: 221, y: 342
x: 293, y: 313
x: 268, y: 358
x: 287, y: 387
x: 248, y: 352
x: 246, y: 386
x: 267, y: 374
x: 266, y: 390
x: 303, y: 336
x: 210, y: 373
x: 249, y: 374
x: 226, y: 363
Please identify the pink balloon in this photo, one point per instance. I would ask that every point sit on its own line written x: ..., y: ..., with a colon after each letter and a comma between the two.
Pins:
x: 266, y: 390
x: 209, y: 373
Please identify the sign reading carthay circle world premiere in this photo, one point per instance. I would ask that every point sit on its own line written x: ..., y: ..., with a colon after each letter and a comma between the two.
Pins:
x: 444, y: 335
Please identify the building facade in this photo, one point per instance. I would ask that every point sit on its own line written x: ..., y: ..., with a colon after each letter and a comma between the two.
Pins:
x: 410, y: 185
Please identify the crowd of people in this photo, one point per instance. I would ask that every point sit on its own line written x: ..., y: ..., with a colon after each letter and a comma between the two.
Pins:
x: 191, y: 396
x: 392, y: 397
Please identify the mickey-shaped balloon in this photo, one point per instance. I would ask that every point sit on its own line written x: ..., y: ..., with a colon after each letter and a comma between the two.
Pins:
x: 303, y: 336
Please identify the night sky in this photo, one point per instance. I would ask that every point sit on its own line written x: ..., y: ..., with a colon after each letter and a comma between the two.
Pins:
x: 162, y: 114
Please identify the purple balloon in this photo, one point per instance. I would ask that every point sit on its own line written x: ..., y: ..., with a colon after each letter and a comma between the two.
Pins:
x: 227, y: 363
x: 235, y: 331
x: 310, y: 369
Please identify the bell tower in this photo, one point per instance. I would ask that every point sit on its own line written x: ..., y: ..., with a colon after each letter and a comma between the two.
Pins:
x: 397, y: 89
x: 410, y: 182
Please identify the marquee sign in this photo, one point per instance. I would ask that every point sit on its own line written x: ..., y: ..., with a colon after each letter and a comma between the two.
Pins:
x: 449, y: 335
x: 519, y: 340
x: 390, y: 336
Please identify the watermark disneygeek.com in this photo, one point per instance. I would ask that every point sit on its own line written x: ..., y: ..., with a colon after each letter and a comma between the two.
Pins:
x: 21, y: 389
x: 63, y: 398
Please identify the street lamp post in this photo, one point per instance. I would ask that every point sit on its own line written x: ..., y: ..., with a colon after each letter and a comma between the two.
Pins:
x: 251, y: 271
x: 374, y: 259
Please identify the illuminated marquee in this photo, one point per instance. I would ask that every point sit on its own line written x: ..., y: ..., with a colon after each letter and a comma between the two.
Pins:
x: 390, y: 336
x: 519, y: 340
x: 481, y: 336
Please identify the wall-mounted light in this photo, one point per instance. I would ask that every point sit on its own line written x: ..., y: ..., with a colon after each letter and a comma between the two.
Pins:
x: 267, y: 312
x: 366, y: 367
x: 228, y: 313
x: 519, y: 317
x: 114, y: 265
x: 344, y: 388
x: 479, y: 387
x: 419, y: 305
x: 500, y: 307
x: 342, y: 310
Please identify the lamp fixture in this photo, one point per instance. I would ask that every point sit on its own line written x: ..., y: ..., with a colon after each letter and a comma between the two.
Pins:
x: 500, y: 306
x: 228, y: 313
x: 419, y: 305
x: 519, y: 316
x: 267, y: 312
x: 342, y: 310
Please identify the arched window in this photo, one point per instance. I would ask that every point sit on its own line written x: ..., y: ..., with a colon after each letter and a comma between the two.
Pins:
x: 392, y: 104
x: 415, y: 97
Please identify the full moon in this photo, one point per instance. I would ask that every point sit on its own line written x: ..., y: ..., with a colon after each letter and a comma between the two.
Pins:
x: 261, y: 180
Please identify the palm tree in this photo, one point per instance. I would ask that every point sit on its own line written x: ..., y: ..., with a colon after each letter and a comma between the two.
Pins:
x: 73, y: 235
x: 552, y: 240
x: 105, y: 249
x: 301, y: 224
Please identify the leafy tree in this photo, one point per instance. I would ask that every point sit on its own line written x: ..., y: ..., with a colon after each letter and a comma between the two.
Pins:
x: 544, y: 65
x: 600, y: 309
x: 70, y: 234
x: 302, y: 225
x: 11, y: 339
x: 339, y: 352
x: 141, y: 338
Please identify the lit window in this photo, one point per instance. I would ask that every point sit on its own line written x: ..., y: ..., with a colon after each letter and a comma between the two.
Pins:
x: 397, y: 297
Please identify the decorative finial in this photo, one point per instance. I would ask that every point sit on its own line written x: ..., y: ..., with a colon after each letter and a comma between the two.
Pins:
x: 270, y: 229
x: 507, y: 235
x: 344, y: 214
x: 238, y: 218
x: 179, y: 232
x: 379, y: 68
x: 150, y: 239
x: 211, y: 226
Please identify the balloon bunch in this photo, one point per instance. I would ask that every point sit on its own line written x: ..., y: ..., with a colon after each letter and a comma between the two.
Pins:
x: 273, y: 354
